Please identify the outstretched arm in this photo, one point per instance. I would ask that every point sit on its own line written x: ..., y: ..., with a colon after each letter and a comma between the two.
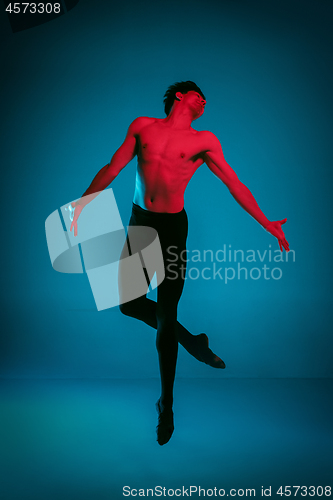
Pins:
x: 215, y: 160
x: 107, y: 174
x: 119, y: 160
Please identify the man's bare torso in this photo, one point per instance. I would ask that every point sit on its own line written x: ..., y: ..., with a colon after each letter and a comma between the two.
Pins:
x: 167, y: 159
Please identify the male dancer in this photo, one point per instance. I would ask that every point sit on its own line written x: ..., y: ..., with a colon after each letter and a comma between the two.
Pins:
x: 169, y: 151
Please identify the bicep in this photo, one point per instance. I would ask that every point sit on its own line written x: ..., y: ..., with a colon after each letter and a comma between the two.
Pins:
x: 126, y: 152
x: 214, y: 159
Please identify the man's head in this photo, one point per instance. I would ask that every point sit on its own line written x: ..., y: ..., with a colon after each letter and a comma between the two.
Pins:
x: 177, y: 90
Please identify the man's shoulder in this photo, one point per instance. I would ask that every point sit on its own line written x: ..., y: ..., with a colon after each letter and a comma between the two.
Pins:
x: 207, y: 137
x: 207, y: 134
x: 140, y: 122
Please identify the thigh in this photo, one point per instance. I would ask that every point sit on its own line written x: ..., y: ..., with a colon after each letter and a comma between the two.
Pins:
x: 128, y: 280
x: 173, y: 242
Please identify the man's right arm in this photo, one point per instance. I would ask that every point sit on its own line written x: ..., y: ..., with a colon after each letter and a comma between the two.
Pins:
x: 107, y: 174
x: 119, y: 160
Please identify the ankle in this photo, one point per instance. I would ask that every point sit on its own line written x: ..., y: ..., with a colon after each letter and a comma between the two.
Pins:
x: 166, y: 403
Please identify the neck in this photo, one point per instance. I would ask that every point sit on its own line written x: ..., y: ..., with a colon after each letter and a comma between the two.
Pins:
x: 179, y: 118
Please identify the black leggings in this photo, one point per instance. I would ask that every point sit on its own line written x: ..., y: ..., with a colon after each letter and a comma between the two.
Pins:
x: 172, y: 229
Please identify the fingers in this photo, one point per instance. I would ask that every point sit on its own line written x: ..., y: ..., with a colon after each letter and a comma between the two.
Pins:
x: 284, y: 243
x: 74, y: 224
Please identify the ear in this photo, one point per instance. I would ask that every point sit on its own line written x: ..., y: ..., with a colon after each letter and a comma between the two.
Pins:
x: 179, y: 96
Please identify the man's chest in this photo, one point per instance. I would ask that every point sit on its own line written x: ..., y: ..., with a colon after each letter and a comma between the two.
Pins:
x: 157, y: 142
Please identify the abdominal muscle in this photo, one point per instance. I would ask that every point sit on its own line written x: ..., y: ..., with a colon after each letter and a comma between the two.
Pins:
x: 160, y: 188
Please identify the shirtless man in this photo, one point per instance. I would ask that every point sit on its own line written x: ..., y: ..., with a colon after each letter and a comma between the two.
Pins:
x: 169, y: 151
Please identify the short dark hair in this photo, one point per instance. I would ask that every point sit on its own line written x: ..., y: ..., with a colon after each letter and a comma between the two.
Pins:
x: 182, y: 87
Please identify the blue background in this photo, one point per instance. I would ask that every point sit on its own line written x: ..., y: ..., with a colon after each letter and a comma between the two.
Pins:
x: 69, y: 90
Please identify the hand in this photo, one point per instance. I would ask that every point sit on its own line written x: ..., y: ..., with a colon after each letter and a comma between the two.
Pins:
x: 77, y: 210
x: 275, y: 229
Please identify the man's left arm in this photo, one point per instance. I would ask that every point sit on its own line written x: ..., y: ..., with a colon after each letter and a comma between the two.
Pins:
x: 216, y: 162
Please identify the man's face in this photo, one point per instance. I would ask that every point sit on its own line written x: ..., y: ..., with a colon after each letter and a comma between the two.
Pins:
x: 195, y: 102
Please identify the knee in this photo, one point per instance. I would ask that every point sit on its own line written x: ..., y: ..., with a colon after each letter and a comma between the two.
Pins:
x: 166, y: 316
x: 166, y: 329
x: 166, y: 337
x: 132, y: 308
x: 167, y: 322
x: 126, y: 309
